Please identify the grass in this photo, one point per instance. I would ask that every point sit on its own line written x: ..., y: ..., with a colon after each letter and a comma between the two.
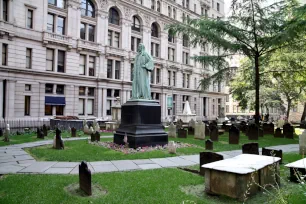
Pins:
x: 81, y: 150
x: 150, y: 186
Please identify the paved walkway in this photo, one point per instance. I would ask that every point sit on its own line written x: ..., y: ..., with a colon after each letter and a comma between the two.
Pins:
x: 13, y: 159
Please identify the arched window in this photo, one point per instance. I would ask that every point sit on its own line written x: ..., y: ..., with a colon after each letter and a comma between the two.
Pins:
x: 174, y: 13
x: 158, y: 6
x: 87, y: 8
x: 113, y: 16
x: 136, y: 24
x: 154, y: 30
x: 169, y: 11
x: 170, y: 36
x: 185, y: 41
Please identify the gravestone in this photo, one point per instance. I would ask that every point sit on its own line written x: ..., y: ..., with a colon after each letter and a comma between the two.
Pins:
x: 97, y: 136
x: 45, y: 130
x: 1, y: 132
x: 302, y: 143
x: 273, y: 153
x: 85, y: 178
x: 191, y: 131
x: 73, y: 132
x: 18, y: 133
x: 208, y: 157
x: 199, y: 131
x: 86, y: 129
x: 268, y: 128
x: 234, y: 135
x: 250, y: 148
x: 179, y: 124
x: 214, y: 133
x: 191, y: 123
x: 58, y: 132
x: 297, y: 171
x: 278, y: 133
x: 207, y: 129
x: 92, y: 137
x: 209, y: 145
x: 40, y: 134
x: 288, y: 131
x: 59, y: 143
x: 172, y: 130
x: 182, y: 133
x: 96, y: 126
x: 172, y: 147
x: 91, y: 130
x: 252, y: 132
x: 7, y: 133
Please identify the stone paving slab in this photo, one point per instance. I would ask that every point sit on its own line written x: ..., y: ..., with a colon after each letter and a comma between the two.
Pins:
x: 98, y: 163
x: 27, y: 161
x: 181, y: 161
x: 125, y: 165
x: 37, y: 167
x: 164, y: 162
x: 75, y: 170
x: 193, y: 158
x: 24, y: 157
x: 143, y: 161
x: 66, y: 165
x: 10, y: 169
x: 149, y: 166
x: 58, y: 170
x: 105, y: 168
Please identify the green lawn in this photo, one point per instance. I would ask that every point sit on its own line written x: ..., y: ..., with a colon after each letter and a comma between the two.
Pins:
x: 169, y: 185
x: 81, y: 150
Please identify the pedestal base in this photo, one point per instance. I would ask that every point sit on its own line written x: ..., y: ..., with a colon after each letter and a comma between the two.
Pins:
x: 141, y: 122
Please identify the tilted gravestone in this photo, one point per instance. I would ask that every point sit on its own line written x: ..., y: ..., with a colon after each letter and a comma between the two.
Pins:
x: 250, y: 148
x: 182, y: 133
x: 234, y: 135
x: 73, y: 132
x: 273, y: 153
x: 92, y: 137
x: 199, y: 132
x: 1, y: 132
x: 288, y: 131
x: 214, y: 133
x: 208, y: 157
x: 253, y: 132
x: 85, y: 178
x: 209, y: 145
x: 278, y: 133
x: 97, y: 136
x: 45, y: 130
x: 172, y: 130
x: 59, y: 143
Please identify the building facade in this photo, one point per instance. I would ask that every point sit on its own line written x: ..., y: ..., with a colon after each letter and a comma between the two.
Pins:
x: 74, y: 57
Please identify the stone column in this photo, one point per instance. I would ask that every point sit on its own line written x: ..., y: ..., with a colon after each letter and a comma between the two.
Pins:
x: 10, y: 99
x: 179, y: 49
x: 100, y: 101
x: 126, y: 34
x: 11, y: 11
x: 102, y: 27
x: 164, y: 45
x: 73, y: 19
x: 104, y: 101
x: 163, y: 106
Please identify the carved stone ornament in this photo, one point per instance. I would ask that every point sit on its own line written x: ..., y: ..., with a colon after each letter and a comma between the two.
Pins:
x: 103, y: 3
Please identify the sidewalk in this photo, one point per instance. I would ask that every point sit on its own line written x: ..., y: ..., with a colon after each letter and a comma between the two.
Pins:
x: 14, y: 160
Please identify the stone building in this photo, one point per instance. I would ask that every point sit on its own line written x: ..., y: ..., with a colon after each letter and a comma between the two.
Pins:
x: 74, y: 57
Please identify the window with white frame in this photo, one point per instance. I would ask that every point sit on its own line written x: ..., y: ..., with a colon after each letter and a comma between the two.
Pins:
x: 113, y: 69
x: 82, y: 65
x: 61, y: 55
x: 87, y: 8
x: 86, y: 100
x: 135, y: 43
x: 56, y: 24
x: 28, y: 58
x: 58, y: 3
x: 155, y: 49
x: 87, y: 32
x: 111, y: 96
x: 185, y: 57
x: 171, y: 53
x: 113, y: 38
x: 30, y: 18
x: 50, y: 59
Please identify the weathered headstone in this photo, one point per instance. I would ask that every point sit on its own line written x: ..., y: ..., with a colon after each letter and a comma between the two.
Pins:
x: 214, y: 133
x: 207, y: 129
x: 1, y: 132
x: 91, y: 130
x: 234, y: 135
x: 253, y: 132
x: 97, y: 136
x: 96, y: 126
x: 40, y: 134
x: 288, y: 131
x: 250, y: 148
x: 208, y: 157
x: 278, y: 133
x: 73, y: 132
x: 190, y: 131
x: 268, y: 128
x: 92, y: 137
x: 179, y: 124
x: 59, y: 143
x: 86, y: 129
x: 7, y: 133
x: 45, y: 130
x: 182, y: 133
x: 191, y: 123
x: 280, y: 123
x: 273, y: 153
x: 172, y: 130
x: 243, y: 126
x: 85, y: 178
x: 209, y: 145
x: 172, y: 147
x: 302, y: 143
x: 199, y: 132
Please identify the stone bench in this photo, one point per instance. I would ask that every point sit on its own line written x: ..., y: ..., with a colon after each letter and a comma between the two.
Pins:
x: 297, y: 169
x: 230, y: 177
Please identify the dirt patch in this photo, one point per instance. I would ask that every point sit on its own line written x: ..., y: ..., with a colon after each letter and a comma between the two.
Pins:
x: 74, y: 190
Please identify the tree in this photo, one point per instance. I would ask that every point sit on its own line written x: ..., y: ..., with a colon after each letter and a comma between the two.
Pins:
x: 254, y: 29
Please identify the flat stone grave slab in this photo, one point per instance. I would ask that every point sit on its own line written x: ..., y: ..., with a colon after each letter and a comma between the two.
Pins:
x: 125, y: 165
x: 37, y: 167
x: 237, y: 172
x: 297, y: 169
x: 149, y: 166
x: 165, y: 162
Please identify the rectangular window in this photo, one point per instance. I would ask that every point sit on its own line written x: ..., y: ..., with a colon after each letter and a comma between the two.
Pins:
x: 174, y: 78
x: 108, y: 107
x: 109, y: 93
x: 156, y: 50
x: 157, y: 76
x: 90, y: 107
x: 30, y: 19
x: 184, y: 79
x: 188, y: 80
x: 110, y: 69
x: 83, y: 31
x: 49, y: 88
x: 59, y: 110
x: 227, y: 98
x: 58, y: 3
x: 5, y: 10
x: 110, y: 37
x: 91, y: 33
x: 132, y: 68
x: 60, y: 89
x: 91, y: 66
x: 27, y: 87
x: 27, y: 104
x: 152, y: 49
x: 133, y: 44
x: 50, y: 23
x: 50, y: 58
x: 169, y: 78
x: 91, y: 91
x: 29, y: 58
x: 4, y: 54
x: 218, y: 7
x: 82, y: 67
x: 81, y: 106
x: 116, y: 39
x: 61, y: 61
x: 82, y: 90
x: 48, y: 110
x: 117, y: 70
x: 60, y: 25
x: 227, y: 109
x: 152, y: 77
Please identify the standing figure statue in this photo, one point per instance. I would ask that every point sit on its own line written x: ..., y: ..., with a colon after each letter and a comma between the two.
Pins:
x: 141, y: 82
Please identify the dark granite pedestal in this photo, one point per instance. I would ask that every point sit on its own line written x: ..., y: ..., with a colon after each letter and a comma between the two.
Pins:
x: 141, y: 122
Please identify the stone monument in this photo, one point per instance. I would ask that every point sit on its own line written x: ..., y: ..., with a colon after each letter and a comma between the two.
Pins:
x: 73, y: 132
x: 187, y: 114
x: 141, y: 116
x: 7, y: 133
x: 199, y: 131
x: 85, y: 178
x: 234, y: 135
x: 45, y: 130
x: 172, y: 130
x: 172, y: 147
x: 250, y: 148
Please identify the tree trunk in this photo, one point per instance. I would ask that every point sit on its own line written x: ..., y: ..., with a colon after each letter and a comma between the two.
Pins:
x: 304, y: 113
x: 257, y: 85
x: 288, y: 109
